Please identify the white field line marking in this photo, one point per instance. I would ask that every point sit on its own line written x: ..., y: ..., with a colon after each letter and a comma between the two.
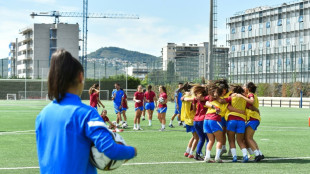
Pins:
x: 285, y: 127
x: 172, y: 162
x: 18, y: 168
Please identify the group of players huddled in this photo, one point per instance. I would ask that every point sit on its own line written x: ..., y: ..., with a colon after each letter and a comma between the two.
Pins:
x: 210, y: 112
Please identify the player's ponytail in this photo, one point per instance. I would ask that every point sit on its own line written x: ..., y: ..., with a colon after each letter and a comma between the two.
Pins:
x: 164, y: 89
x: 63, y: 74
x: 237, y: 89
x: 251, y: 86
x: 149, y: 87
x: 92, y: 88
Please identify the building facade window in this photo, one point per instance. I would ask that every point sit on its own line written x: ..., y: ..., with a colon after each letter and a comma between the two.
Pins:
x: 233, y: 31
x: 242, y: 29
x: 268, y: 44
x: 268, y: 24
x: 250, y: 46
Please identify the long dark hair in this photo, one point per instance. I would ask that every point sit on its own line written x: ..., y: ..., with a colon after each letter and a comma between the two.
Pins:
x: 237, y: 89
x: 200, y: 90
x: 92, y: 88
x: 251, y: 86
x: 149, y: 87
x: 163, y: 88
x: 63, y: 74
x: 214, y: 89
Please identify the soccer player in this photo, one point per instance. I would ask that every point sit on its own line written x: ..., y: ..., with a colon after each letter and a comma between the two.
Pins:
x: 178, y: 105
x: 117, y: 97
x: 143, y: 112
x: 150, y: 97
x: 200, y: 100
x: 94, y: 96
x: 66, y: 128
x: 189, y: 114
x: 236, y: 124
x: 106, y: 119
x: 212, y: 124
x: 253, y: 120
x: 124, y: 107
x: 226, y: 93
x: 139, y: 101
x: 162, y: 107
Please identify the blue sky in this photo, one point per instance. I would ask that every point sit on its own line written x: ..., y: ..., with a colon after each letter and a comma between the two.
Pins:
x: 161, y: 21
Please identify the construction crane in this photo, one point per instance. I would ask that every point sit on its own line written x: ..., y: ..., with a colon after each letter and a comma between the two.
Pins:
x: 85, y: 15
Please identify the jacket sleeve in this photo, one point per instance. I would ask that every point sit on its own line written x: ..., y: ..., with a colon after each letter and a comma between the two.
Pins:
x: 97, y: 131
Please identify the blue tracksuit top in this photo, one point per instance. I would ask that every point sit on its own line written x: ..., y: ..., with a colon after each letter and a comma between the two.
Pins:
x: 65, y: 132
x: 118, y: 97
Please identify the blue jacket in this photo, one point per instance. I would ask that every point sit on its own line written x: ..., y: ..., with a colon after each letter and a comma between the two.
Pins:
x: 65, y: 132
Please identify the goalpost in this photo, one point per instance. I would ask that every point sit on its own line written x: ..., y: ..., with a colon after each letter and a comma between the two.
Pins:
x: 103, y: 95
x: 130, y: 93
x: 10, y: 96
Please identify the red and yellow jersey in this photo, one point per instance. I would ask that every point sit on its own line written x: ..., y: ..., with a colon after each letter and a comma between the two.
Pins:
x: 225, y: 110
x: 211, y: 113
x: 238, y: 103
x: 187, y: 112
x: 250, y: 113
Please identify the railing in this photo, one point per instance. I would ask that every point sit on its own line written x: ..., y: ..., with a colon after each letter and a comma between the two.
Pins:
x: 291, y: 102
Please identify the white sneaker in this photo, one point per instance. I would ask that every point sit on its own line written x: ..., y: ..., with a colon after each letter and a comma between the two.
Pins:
x: 162, y: 129
x: 139, y: 128
x: 229, y: 153
x: 135, y: 128
x: 150, y: 124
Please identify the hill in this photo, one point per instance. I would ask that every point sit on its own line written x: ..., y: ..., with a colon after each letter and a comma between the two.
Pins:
x: 123, y: 54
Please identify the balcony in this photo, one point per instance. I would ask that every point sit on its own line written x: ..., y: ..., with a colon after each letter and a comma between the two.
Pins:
x: 24, y: 57
x: 25, y: 47
x: 23, y: 66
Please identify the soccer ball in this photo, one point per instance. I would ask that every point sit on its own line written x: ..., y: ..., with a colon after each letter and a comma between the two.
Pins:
x: 102, y: 162
x: 124, y: 125
x: 114, y: 123
x: 161, y: 100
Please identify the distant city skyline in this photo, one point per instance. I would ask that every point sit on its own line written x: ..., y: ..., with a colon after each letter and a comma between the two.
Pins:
x: 161, y: 21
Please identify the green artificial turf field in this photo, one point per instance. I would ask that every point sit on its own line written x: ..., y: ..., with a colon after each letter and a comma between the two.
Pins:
x: 283, y: 137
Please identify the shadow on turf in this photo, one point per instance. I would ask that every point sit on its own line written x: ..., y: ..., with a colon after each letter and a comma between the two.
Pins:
x: 273, y: 160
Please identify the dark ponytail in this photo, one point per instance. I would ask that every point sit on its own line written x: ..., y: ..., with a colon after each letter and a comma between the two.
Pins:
x: 251, y: 86
x: 63, y: 74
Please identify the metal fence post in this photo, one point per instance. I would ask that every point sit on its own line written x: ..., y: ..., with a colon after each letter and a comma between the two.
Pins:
x: 263, y: 102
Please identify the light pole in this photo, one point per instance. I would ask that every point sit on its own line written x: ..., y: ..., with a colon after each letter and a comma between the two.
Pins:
x: 126, y: 77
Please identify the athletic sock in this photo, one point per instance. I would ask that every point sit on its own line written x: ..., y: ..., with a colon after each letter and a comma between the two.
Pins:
x: 223, y: 147
x: 233, y: 152
x: 250, y: 151
x: 191, y: 152
x: 208, y: 154
x: 163, y: 126
x: 244, y: 152
x: 134, y: 126
x: 170, y: 122
x: 150, y: 122
x: 260, y: 152
x: 188, y: 149
x: 218, y: 153
x: 256, y: 152
x: 138, y: 126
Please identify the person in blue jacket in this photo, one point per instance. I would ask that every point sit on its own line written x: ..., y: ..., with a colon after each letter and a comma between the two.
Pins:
x: 66, y: 128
